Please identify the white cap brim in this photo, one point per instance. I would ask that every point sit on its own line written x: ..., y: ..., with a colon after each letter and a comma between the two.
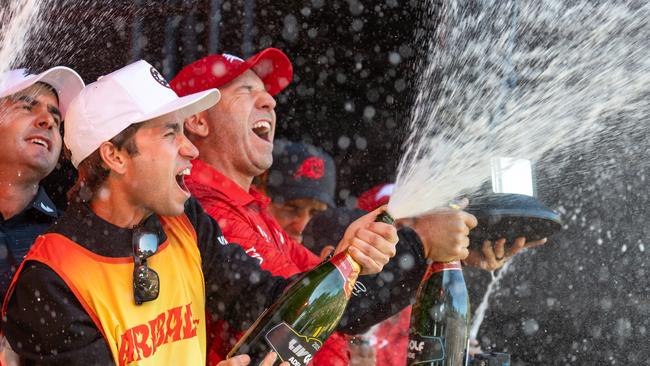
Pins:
x: 186, y: 106
x: 180, y: 108
x: 64, y: 80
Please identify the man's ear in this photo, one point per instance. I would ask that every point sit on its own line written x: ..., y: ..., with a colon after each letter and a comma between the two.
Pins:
x: 197, y: 124
x: 114, y: 158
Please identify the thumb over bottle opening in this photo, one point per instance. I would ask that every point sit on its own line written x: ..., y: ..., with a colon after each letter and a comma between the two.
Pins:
x: 385, y: 217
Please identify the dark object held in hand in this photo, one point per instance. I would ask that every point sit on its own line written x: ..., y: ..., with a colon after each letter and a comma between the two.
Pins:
x: 508, y: 215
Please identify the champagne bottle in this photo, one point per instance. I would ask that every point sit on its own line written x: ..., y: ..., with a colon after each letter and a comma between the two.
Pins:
x: 299, y: 322
x: 440, y: 318
x: 296, y: 325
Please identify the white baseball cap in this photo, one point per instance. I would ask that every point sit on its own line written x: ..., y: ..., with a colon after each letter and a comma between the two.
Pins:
x: 64, y: 80
x: 133, y: 94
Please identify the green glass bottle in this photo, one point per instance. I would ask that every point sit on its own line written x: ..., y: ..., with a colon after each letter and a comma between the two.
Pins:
x: 298, y: 323
x: 440, y: 318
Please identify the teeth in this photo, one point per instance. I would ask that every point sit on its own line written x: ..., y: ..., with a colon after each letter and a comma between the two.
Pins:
x: 262, y: 124
x: 185, y: 171
x: 38, y: 141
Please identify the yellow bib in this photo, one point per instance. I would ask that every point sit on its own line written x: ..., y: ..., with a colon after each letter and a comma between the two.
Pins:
x: 167, y: 331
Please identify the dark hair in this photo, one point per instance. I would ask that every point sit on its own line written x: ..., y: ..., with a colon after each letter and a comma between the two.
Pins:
x: 92, y: 172
x: 50, y: 88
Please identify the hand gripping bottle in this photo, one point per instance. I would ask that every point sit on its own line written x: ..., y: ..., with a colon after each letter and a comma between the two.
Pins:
x: 298, y: 323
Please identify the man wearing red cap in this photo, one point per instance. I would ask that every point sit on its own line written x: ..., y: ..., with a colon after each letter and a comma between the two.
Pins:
x: 239, y: 149
x: 235, y: 142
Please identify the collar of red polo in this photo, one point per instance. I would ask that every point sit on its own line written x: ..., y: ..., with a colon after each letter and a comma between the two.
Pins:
x: 206, y: 175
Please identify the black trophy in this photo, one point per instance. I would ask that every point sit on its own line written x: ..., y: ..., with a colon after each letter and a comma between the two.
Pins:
x: 508, y: 208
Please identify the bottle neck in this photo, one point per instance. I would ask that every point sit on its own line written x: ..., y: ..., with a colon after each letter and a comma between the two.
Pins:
x: 349, y: 269
x: 346, y: 264
x: 445, y: 266
x: 436, y: 267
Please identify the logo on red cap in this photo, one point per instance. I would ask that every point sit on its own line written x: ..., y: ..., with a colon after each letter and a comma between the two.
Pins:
x: 312, y: 168
x: 232, y: 58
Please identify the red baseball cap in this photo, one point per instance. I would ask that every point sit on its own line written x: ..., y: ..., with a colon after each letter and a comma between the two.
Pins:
x: 375, y: 196
x: 214, y: 71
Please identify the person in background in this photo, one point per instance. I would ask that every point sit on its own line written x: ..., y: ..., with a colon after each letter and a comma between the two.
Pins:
x: 301, y: 183
x: 235, y: 141
x: 32, y: 108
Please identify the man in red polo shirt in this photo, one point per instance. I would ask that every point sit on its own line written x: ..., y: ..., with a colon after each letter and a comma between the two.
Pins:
x: 235, y: 142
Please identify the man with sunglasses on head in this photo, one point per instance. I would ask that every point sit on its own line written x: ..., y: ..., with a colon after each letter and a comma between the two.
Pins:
x: 125, y: 275
x: 31, y: 110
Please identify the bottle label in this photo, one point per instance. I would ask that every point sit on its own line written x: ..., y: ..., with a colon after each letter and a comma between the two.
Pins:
x: 349, y: 269
x: 422, y: 349
x: 436, y: 267
x: 292, y: 347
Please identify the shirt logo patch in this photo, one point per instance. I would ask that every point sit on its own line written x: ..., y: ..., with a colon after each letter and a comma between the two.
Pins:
x: 46, y: 208
x: 312, y: 168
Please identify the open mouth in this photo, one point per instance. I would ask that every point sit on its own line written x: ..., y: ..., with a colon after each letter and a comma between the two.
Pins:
x: 263, y: 130
x: 39, y: 141
x: 180, y: 179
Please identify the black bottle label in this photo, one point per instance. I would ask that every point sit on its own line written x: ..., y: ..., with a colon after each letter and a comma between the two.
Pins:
x: 292, y: 347
x: 422, y: 349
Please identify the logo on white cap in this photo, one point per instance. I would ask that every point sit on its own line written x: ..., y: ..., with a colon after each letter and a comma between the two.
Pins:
x: 159, y: 78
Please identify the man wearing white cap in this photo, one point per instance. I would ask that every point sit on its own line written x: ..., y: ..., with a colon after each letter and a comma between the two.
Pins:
x: 125, y: 275
x: 31, y: 110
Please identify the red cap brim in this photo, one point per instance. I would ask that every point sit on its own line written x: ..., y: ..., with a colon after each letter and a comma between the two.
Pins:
x: 273, y: 67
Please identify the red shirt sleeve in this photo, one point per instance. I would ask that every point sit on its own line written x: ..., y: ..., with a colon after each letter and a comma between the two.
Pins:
x: 304, y: 258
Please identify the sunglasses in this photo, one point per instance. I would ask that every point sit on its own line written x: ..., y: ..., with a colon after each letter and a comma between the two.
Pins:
x: 146, y: 283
